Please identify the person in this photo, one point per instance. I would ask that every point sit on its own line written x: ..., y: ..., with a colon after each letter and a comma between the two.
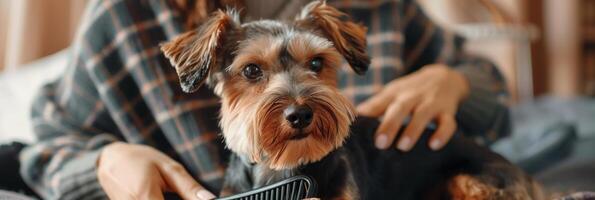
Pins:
x: 117, y: 124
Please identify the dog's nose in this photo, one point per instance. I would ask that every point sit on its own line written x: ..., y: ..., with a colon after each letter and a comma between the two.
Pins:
x: 299, y: 116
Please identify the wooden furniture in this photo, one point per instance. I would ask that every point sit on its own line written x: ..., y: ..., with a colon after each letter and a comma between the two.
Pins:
x: 495, y: 33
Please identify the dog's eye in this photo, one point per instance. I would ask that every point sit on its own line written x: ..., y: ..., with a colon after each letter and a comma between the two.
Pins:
x: 316, y: 64
x: 252, y: 71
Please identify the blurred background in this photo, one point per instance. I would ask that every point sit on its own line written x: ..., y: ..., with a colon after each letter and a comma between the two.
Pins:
x: 545, y: 48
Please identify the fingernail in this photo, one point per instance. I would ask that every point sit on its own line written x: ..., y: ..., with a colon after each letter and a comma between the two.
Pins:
x: 404, y: 144
x: 435, y: 144
x: 204, y: 195
x: 381, y: 141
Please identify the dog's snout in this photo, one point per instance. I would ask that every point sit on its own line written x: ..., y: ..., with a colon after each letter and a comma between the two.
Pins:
x: 299, y: 116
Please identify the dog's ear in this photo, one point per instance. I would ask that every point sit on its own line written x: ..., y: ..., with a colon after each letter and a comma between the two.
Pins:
x: 195, y: 53
x: 347, y: 36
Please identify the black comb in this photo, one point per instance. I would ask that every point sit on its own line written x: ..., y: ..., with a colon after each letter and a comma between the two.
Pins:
x: 294, y: 188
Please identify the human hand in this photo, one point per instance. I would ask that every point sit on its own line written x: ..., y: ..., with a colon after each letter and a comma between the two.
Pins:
x: 130, y: 171
x: 432, y: 93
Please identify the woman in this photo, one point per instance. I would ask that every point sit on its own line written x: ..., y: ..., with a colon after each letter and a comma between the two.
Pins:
x: 117, y: 125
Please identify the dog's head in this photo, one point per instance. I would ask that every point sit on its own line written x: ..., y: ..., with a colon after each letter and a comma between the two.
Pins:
x: 277, y: 81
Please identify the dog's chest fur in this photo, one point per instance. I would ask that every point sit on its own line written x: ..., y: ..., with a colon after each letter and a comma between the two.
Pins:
x: 335, y: 175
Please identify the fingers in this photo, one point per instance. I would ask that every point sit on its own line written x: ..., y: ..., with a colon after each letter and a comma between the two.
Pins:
x: 375, y: 105
x: 445, y: 131
x: 178, y: 180
x: 204, y: 194
x: 421, y: 117
x: 392, y: 122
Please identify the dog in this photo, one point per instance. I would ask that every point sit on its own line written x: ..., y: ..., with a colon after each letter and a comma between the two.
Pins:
x: 282, y: 114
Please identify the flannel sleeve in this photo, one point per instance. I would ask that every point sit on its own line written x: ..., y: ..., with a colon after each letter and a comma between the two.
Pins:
x: 72, y: 126
x: 484, y: 113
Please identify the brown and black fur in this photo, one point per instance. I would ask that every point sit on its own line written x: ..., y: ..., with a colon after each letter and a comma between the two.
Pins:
x: 333, y: 147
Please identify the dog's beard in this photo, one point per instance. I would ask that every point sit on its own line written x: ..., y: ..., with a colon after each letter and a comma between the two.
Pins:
x: 333, y: 114
x: 258, y: 129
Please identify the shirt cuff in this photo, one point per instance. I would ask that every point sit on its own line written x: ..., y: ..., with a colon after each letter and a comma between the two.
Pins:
x: 76, y: 178
x: 483, y: 112
x: 80, y: 178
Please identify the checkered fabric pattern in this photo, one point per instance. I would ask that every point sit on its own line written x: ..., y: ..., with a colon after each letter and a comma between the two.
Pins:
x: 119, y: 87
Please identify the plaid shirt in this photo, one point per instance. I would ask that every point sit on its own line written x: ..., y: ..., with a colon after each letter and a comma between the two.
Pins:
x: 119, y: 87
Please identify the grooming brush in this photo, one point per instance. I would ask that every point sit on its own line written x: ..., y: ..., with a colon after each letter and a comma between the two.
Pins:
x: 294, y: 188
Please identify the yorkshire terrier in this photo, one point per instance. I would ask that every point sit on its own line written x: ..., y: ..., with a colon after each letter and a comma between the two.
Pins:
x: 282, y: 114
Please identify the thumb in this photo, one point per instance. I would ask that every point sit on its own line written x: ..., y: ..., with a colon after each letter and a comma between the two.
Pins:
x: 177, y: 179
